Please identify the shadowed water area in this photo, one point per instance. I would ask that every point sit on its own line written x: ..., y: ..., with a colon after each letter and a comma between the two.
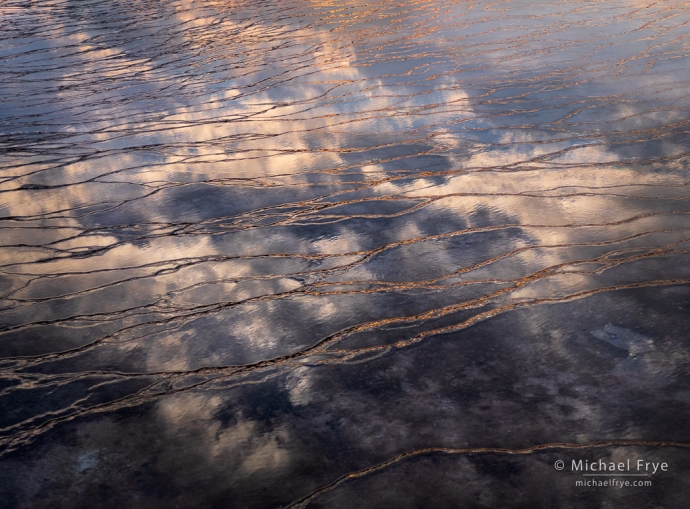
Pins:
x: 343, y: 254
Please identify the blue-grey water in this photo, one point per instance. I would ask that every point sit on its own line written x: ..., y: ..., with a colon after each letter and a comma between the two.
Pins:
x: 383, y: 254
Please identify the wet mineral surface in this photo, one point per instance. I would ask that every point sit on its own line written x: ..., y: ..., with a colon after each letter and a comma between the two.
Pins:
x: 310, y: 254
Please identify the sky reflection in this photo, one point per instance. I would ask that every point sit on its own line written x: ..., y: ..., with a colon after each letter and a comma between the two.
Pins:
x: 249, y: 249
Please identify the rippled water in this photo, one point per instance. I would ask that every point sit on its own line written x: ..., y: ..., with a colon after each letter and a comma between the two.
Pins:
x: 342, y: 254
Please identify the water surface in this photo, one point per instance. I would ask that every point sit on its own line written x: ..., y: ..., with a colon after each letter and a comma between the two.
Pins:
x: 342, y: 254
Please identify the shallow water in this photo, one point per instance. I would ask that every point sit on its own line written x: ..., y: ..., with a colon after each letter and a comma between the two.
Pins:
x: 312, y: 254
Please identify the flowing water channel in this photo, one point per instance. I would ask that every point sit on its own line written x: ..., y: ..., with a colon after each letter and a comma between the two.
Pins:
x: 356, y: 254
